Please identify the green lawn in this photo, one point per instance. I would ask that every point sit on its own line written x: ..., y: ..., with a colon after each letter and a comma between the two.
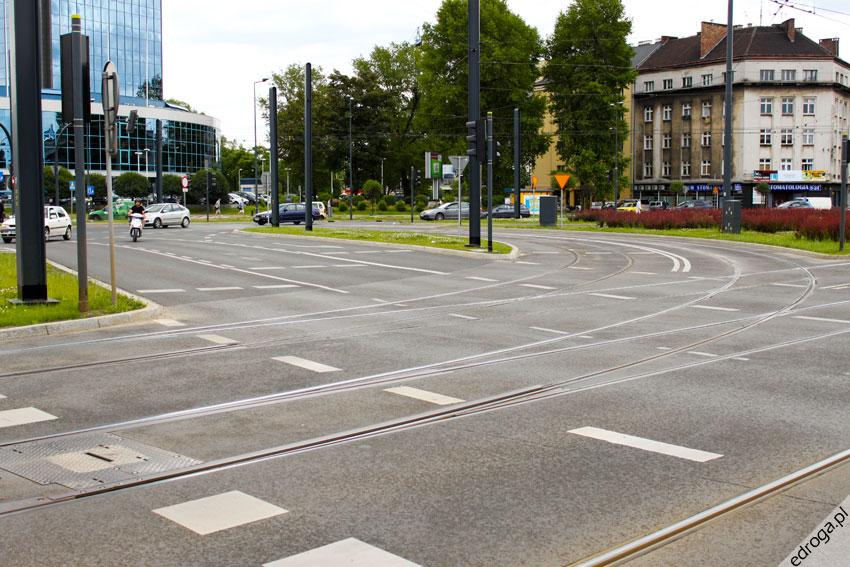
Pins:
x: 405, y: 238
x: 61, y: 286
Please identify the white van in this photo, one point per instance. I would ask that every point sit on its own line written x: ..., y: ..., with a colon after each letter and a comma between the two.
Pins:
x: 823, y: 203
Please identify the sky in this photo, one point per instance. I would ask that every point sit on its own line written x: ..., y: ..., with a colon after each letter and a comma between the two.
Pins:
x: 214, y: 50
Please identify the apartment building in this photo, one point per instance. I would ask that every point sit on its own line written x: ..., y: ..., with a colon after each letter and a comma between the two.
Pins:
x: 790, y: 109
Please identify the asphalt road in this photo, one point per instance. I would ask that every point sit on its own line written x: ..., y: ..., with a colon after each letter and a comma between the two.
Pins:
x: 338, y: 400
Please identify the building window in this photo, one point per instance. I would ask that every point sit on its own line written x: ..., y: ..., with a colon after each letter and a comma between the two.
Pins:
x: 808, y: 136
x: 647, y: 170
x: 786, y: 136
x: 665, y: 169
x: 686, y: 169
x: 706, y: 109
x: 687, y: 82
x: 785, y: 164
x: 647, y: 142
x: 764, y: 164
x: 766, y: 106
x: 765, y: 137
x: 667, y: 142
x: 789, y: 75
x: 706, y: 139
x: 705, y: 169
x: 788, y: 106
x: 706, y: 80
x: 767, y: 75
x: 808, y: 164
x: 810, y: 74
x: 686, y: 110
x: 667, y: 113
x: 649, y: 86
x: 809, y: 106
x: 647, y: 113
x: 668, y: 84
x: 686, y: 140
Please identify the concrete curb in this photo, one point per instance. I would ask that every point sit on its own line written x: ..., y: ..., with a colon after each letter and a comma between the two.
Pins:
x: 151, y: 311
x: 512, y: 256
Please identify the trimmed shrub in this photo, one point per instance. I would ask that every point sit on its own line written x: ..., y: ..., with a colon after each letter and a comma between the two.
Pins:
x: 390, y: 199
x: 361, y: 206
x: 401, y: 207
x: 342, y: 207
x: 382, y: 206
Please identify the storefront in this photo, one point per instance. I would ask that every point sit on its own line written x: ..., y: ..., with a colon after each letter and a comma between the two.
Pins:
x: 787, y: 185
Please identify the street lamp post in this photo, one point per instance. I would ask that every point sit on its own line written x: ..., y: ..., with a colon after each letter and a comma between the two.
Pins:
x: 287, y: 182
x: 139, y: 160
x: 56, y: 160
x: 383, y: 188
x: 256, y: 183
x: 350, y: 165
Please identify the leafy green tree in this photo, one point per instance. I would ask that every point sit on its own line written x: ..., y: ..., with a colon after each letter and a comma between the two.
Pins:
x: 48, y: 182
x: 588, y: 69
x: 198, y: 187
x: 172, y: 185
x: 132, y: 184
x: 238, y: 162
x: 373, y: 191
x: 510, y: 56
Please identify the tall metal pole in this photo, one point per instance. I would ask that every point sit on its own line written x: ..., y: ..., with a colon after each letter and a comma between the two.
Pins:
x: 256, y: 181
x: 275, y: 200
x: 350, y: 163
x: 158, y: 157
x: 727, y: 147
x: 208, y: 183
x: 25, y: 81
x: 517, y: 165
x: 617, y: 161
x: 79, y: 160
x: 56, y: 161
x: 491, y: 152
x: 474, y: 104
x: 413, y: 193
x: 308, y: 147
x: 845, y: 157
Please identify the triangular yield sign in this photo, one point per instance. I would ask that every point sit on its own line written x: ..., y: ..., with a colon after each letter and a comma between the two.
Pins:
x: 562, y: 179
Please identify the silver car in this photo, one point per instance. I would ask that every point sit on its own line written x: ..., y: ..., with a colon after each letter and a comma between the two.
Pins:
x: 166, y: 214
x: 445, y: 211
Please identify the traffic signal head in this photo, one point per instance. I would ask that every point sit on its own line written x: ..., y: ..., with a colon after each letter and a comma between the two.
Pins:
x: 475, y: 139
x: 132, y: 119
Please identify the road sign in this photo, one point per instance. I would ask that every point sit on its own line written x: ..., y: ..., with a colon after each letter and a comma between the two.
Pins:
x: 459, y: 163
x: 72, y: 185
x: 111, y: 100
x: 184, y: 182
x: 534, y: 181
x: 90, y: 190
x: 562, y: 179
x: 2, y: 177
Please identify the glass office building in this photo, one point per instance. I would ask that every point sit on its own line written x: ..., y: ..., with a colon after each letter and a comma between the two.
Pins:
x: 129, y: 33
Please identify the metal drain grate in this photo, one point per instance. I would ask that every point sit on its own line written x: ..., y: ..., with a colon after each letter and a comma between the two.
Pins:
x: 88, y: 460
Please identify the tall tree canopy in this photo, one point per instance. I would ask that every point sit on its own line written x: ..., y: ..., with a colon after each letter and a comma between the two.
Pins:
x: 587, y: 71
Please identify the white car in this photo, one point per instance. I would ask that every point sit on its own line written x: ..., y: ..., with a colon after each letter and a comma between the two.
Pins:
x: 238, y: 200
x: 57, y: 222
x: 166, y: 214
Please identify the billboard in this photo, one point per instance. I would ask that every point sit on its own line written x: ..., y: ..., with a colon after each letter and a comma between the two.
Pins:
x: 798, y: 176
x: 433, y: 165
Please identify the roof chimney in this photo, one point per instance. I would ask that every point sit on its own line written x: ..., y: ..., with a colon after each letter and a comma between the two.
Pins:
x: 790, y: 30
x: 710, y: 36
x: 830, y: 45
x: 667, y: 38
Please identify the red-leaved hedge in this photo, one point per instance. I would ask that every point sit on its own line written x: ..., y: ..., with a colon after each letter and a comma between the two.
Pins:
x: 805, y: 223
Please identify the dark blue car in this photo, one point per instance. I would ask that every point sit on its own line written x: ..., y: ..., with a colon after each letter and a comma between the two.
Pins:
x: 290, y: 212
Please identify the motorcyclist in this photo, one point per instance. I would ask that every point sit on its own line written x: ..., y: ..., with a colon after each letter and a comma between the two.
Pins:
x: 138, y: 209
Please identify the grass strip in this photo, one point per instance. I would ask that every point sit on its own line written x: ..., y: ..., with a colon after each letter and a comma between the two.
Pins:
x: 404, y: 238
x: 61, y: 286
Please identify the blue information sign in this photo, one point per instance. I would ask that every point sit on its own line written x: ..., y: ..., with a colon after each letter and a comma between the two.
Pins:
x: 72, y: 185
x: 90, y: 190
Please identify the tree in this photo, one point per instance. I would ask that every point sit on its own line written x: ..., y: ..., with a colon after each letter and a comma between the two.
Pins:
x: 49, y: 183
x: 510, y: 57
x: 587, y: 70
x: 172, y: 184
x: 235, y: 158
x: 198, y: 187
x: 97, y: 181
x: 676, y: 187
x: 373, y: 191
x: 132, y: 184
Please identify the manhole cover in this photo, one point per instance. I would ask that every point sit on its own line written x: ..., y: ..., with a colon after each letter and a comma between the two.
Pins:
x: 88, y: 460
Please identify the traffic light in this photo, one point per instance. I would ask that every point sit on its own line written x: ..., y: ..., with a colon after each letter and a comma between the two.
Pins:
x: 475, y: 139
x: 132, y: 119
x: 416, y: 175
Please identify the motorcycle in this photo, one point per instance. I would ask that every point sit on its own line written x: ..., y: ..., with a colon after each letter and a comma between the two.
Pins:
x: 136, y: 225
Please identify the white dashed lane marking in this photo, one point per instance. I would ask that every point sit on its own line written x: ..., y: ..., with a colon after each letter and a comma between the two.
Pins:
x: 535, y: 286
x: 418, y: 394
x: 170, y: 323
x: 280, y: 286
x: 480, y: 279
x: 220, y: 512
x: 545, y: 330
x: 465, y: 317
x: 346, y: 553
x: 23, y: 416
x: 218, y: 339
x: 150, y: 291
x: 789, y: 285
x: 306, y: 364
x: 610, y: 296
x: 266, y: 268
x: 232, y: 288
x: 646, y: 444
x: 823, y: 320
x: 581, y: 268
x: 712, y: 308
x: 644, y: 273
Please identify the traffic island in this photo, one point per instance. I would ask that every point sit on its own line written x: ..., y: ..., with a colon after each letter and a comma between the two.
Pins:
x: 63, y: 314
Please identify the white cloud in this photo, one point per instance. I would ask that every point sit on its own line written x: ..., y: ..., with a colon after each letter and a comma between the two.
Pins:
x: 215, y: 49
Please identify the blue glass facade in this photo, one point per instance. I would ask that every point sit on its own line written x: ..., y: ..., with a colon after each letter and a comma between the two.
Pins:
x: 129, y: 33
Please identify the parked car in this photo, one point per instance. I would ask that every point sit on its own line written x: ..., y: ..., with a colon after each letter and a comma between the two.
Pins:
x: 119, y: 210
x: 166, y: 214
x: 236, y: 199
x: 321, y: 207
x: 57, y: 222
x: 695, y: 204
x: 596, y: 205
x: 507, y: 212
x: 445, y: 211
x: 658, y: 205
x: 290, y: 212
x: 609, y: 205
x: 796, y: 204
x: 250, y: 198
x: 633, y: 205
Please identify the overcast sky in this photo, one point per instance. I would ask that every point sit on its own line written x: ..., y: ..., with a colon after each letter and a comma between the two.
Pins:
x: 215, y: 49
